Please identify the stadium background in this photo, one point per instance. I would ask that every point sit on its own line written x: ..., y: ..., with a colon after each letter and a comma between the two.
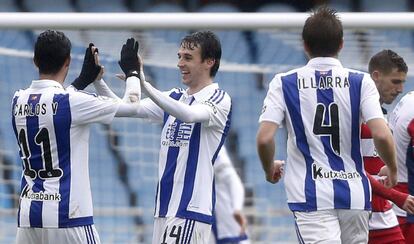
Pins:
x: 123, y: 156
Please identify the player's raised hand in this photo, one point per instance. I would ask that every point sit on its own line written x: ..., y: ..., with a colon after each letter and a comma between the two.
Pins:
x: 91, y: 69
x: 129, y: 61
x: 409, y: 204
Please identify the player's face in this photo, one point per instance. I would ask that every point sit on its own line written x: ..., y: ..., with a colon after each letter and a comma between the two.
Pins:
x: 193, y: 69
x: 390, y: 85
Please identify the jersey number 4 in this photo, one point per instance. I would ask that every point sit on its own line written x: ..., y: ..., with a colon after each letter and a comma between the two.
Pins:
x: 330, y: 129
x: 41, y: 139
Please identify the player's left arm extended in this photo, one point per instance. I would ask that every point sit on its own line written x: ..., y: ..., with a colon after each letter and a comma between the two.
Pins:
x: 379, y: 189
x: 186, y: 113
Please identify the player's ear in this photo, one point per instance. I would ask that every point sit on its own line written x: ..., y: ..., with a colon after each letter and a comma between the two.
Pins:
x: 210, y: 62
x: 375, y: 75
x: 67, y: 62
x: 35, y: 63
x: 306, y: 48
x: 341, y: 45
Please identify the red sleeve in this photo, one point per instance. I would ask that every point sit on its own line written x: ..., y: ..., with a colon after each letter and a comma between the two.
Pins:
x: 365, y: 132
x: 387, y: 193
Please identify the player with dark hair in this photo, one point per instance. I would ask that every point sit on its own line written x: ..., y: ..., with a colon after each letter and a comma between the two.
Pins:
x: 195, y: 123
x: 51, y: 125
x: 322, y: 105
x: 388, y: 70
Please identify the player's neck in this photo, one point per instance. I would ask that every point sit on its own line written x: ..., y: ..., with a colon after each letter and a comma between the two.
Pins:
x: 199, y: 86
x: 56, y: 77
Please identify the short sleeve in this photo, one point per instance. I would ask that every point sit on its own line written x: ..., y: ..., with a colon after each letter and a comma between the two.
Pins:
x: 274, y: 106
x: 89, y: 108
x: 370, y: 105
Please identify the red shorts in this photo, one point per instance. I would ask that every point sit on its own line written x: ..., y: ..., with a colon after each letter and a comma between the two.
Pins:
x: 407, y: 229
x: 391, y: 235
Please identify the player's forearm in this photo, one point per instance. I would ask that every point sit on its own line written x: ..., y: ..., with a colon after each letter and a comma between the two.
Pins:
x: 129, y: 106
x: 387, y: 193
x: 103, y: 89
x: 266, y: 151
x: 177, y: 109
x: 384, y: 143
x: 265, y: 143
x: 386, y: 150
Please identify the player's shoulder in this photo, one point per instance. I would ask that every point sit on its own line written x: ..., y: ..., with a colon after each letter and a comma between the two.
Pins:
x: 288, y: 73
x: 176, y: 90
x: 406, y: 101
x: 365, y: 76
x: 83, y: 97
x: 286, y: 76
x: 75, y: 92
x: 18, y: 93
x: 219, y: 97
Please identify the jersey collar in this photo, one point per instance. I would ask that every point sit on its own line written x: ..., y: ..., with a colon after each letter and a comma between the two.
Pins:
x: 324, y: 62
x: 204, y: 93
x: 45, y: 83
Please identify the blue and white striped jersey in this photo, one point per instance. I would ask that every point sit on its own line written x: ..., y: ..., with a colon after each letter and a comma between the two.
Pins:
x: 323, y: 105
x: 187, y: 153
x: 51, y: 125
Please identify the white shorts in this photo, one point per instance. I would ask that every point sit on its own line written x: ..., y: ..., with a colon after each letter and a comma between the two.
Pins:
x: 332, y: 226
x: 172, y: 230
x: 74, y: 235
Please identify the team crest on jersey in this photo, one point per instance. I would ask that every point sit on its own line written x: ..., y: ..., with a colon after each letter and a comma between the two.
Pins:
x: 177, y: 134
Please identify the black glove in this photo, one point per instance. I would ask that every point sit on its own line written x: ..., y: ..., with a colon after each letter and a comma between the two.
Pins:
x: 129, y: 61
x: 89, y: 71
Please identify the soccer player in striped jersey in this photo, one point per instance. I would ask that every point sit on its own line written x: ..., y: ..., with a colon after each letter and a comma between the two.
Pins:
x: 322, y: 105
x: 229, y: 221
x: 401, y: 122
x: 51, y: 125
x: 195, y: 123
x: 388, y: 70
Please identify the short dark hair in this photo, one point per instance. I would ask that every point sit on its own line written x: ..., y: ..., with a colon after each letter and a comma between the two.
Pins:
x: 323, y: 33
x: 385, y: 61
x: 209, y: 45
x: 51, y: 50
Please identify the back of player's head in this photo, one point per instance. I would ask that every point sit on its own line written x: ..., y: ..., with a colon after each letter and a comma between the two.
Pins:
x: 323, y: 33
x: 209, y: 45
x: 52, y: 49
x: 385, y: 61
